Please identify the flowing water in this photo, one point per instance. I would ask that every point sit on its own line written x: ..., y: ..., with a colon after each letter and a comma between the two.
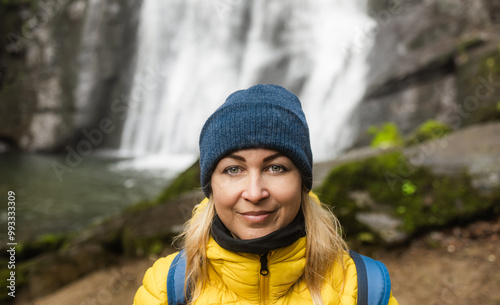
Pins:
x: 193, y: 54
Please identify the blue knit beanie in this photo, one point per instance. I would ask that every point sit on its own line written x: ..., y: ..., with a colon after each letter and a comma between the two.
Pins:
x: 263, y: 116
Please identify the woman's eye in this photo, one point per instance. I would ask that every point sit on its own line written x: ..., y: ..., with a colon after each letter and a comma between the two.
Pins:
x: 276, y: 168
x: 232, y: 170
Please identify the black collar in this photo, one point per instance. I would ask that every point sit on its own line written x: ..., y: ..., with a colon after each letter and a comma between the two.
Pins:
x: 277, y: 239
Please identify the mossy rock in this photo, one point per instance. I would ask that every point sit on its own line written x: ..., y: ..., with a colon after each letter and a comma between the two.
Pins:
x: 386, y: 199
x: 137, y: 246
x: 187, y: 181
x: 429, y: 130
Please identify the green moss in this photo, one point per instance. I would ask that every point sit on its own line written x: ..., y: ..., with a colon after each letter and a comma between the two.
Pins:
x: 42, y: 244
x: 420, y: 199
x: 385, y: 136
x: 141, y: 246
x: 429, y: 130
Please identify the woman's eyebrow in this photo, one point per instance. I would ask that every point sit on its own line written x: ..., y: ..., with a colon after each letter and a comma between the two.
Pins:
x: 266, y: 159
x: 236, y: 157
x: 271, y: 157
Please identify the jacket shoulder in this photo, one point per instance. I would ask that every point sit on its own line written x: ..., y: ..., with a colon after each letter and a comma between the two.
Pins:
x: 154, y: 285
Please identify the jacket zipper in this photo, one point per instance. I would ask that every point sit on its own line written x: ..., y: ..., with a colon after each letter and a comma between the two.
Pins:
x: 264, y: 279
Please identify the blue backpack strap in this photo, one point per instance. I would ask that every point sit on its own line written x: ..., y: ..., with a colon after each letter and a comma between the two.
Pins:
x: 175, y: 280
x: 374, y: 283
x: 362, y: 278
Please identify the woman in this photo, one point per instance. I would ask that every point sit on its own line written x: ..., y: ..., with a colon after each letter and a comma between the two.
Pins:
x: 261, y: 237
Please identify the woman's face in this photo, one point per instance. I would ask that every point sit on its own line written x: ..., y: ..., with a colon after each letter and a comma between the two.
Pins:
x: 256, y: 192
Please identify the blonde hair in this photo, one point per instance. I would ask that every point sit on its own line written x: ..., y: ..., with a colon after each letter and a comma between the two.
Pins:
x: 324, y: 247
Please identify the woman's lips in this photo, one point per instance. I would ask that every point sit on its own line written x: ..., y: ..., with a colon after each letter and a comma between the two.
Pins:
x: 257, y: 217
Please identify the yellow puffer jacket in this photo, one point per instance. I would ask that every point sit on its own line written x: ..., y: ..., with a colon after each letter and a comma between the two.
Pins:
x: 235, y: 279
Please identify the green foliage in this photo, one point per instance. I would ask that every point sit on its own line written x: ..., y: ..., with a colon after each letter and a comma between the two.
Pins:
x: 385, y: 136
x: 429, y: 130
x: 420, y: 199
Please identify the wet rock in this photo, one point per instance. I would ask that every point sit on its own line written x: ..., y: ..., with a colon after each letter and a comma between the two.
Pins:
x: 55, y: 52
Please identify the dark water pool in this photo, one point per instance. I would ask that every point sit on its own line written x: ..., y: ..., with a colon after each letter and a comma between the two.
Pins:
x: 46, y: 202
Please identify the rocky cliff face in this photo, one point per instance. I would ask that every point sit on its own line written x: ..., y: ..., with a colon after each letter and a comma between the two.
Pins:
x: 434, y: 59
x: 57, y: 76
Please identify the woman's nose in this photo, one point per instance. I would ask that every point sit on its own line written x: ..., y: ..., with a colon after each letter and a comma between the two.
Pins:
x: 255, y: 188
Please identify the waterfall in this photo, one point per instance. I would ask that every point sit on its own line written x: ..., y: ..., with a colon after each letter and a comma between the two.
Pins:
x: 192, y: 54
